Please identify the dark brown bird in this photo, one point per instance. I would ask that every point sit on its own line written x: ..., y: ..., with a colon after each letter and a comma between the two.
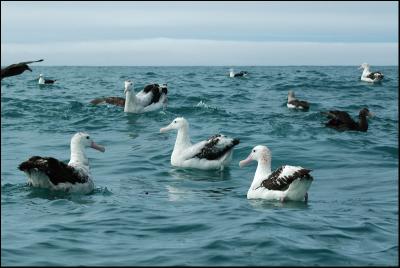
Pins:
x: 16, y: 69
x: 342, y: 121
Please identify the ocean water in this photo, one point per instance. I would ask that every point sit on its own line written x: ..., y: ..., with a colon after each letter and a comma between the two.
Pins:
x: 145, y: 212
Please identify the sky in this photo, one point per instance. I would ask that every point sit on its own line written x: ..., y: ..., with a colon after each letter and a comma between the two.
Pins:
x: 200, y: 33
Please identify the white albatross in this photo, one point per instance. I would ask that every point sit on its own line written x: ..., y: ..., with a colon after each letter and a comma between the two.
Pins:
x: 285, y: 183
x: 48, y: 172
x: 368, y: 76
x: 214, y: 153
x: 151, y: 98
x: 43, y: 81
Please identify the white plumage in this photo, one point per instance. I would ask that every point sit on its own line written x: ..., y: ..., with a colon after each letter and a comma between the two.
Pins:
x: 48, y: 172
x: 214, y: 153
x: 285, y: 183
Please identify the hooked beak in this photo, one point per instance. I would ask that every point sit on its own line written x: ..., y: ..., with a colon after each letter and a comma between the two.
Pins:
x: 165, y: 129
x: 97, y: 147
x: 371, y: 114
x: 245, y: 161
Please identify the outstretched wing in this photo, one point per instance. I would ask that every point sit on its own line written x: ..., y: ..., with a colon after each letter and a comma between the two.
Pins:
x: 118, y: 101
x: 57, y: 171
x: 281, y: 178
x: 216, y: 147
x: 28, y: 62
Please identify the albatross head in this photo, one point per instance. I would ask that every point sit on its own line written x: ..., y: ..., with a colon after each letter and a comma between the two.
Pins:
x: 178, y: 123
x: 364, y: 66
x: 83, y: 140
x: 128, y: 86
x: 258, y: 153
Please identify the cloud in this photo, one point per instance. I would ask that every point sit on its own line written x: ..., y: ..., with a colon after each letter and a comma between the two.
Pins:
x: 181, y: 52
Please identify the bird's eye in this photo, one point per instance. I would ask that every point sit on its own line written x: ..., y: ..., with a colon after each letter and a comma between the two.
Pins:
x: 87, y: 137
x: 175, y: 121
x: 254, y: 151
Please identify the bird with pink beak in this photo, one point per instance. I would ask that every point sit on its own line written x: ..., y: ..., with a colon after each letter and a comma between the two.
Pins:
x: 283, y: 184
x: 48, y: 172
x: 213, y: 153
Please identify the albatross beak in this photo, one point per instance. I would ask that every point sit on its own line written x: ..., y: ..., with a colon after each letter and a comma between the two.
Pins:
x: 164, y: 129
x: 245, y: 161
x: 371, y: 114
x: 97, y: 147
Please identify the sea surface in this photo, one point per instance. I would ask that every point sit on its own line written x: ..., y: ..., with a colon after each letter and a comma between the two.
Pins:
x: 143, y: 211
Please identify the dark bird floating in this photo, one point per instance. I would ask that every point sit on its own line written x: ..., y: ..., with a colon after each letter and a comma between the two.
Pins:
x: 16, y: 69
x: 342, y: 121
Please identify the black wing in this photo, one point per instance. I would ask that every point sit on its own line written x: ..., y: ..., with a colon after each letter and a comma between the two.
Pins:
x: 340, y: 117
x: 49, y: 81
x: 375, y: 75
x: 57, y: 171
x: 28, y: 62
x: 156, y: 91
x: 298, y: 103
x: 276, y: 181
x: 118, y: 101
x: 216, y: 147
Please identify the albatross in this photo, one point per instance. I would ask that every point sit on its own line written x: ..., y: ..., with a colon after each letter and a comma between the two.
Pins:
x: 284, y: 184
x: 369, y: 76
x: 151, y: 98
x: 48, y: 172
x: 213, y: 153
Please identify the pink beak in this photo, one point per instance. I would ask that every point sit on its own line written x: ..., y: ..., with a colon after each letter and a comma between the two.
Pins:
x: 164, y: 129
x: 97, y: 147
x: 245, y: 161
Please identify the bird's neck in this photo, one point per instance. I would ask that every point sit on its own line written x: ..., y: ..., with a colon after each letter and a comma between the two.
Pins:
x: 130, y: 101
x: 78, y: 156
x: 366, y: 71
x: 41, y: 80
x: 182, y: 139
x: 263, y: 170
x: 291, y: 98
x: 363, y: 123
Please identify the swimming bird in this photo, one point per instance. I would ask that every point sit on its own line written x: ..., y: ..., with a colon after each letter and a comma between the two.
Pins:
x: 295, y: 103
x: 48, y: 172
x: 370, y: 76
x: 16, y: 69
x: 152, y: 97
x: 213, y: 153
x: 232, y: 73
x: 341, y: 120
x: 285, y: 183
x: 43, y: 81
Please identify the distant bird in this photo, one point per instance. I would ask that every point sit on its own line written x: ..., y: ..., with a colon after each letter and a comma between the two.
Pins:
x: 48, y: 172
x: 342, y: 121
x: 213, y: 153
x: 294, y: 103
x: 284, y: 184
x: 43, y: 81
x: 232, y: 73
x: 152, y: 97
x: 370, y: 76
x: 15, y: 69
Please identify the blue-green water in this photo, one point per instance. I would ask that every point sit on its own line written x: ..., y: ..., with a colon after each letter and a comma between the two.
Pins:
x: 191, y: 217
